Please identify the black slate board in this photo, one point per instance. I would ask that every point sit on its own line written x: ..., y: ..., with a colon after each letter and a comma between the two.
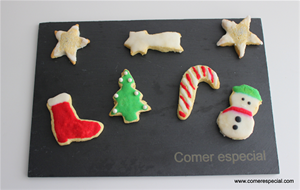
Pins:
x: 151, y: 146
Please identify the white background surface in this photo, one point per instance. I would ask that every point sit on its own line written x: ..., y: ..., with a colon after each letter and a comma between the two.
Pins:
x: 19, y: 32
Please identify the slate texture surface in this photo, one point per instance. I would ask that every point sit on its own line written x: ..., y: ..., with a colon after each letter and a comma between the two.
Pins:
x: 159, y: 144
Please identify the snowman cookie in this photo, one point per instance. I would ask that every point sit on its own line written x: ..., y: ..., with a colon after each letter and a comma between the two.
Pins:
x: 236, y: 122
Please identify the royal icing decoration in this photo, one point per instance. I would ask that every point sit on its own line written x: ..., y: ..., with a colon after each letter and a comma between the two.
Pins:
x: 140, y: 42
x: 238, y: 35
x: 65, y: 123
x: 129, y: 103
x: 68, y: 43
x: 188, y: 87
x: 236, y: 122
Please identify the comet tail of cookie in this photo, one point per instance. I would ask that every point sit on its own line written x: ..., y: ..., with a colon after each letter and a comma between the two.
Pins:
x: 65, y: 123
x: 140, y: 42
x: 188, y: 87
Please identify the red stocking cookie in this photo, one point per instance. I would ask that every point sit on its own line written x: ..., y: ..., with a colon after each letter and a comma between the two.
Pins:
x: 66, y: 125
x: 188, y: 87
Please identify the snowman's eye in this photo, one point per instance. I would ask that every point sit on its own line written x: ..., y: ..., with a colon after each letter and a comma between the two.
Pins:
x: 249, y: 103
x: 243, y: 99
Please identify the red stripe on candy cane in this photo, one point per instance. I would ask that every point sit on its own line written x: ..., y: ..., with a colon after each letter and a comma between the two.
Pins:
x: 188, y: 87
x: 203, y: 70
x: 190, y: 81
x: 197, y: 74
x: 182, y: 114
x: 186, y: 104
x: 187, y: 91
x: 211, y: 74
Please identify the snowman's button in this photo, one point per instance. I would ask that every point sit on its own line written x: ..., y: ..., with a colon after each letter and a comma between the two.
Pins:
x: 235, y: 127
x: 238, y: 119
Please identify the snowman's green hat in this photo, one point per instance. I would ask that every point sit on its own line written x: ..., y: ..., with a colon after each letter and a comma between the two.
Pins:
x: 248, y: 90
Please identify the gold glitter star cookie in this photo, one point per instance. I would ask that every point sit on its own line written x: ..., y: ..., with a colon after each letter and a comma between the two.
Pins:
x: 68, y: 43
x: 238, y: 35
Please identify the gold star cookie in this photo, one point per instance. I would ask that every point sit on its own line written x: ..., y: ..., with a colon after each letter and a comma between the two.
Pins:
x: 238, y: 35
x: 68, y: 43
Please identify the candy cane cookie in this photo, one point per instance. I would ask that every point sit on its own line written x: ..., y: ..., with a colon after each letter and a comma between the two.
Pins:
x: 188, y: 87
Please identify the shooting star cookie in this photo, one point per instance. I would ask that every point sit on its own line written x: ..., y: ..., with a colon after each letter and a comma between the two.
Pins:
x: 68, y: 43
x: 238, y: 35
x: 140, y: 42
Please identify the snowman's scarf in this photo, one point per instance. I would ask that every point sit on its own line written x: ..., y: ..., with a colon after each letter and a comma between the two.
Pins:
x: 238, y: 109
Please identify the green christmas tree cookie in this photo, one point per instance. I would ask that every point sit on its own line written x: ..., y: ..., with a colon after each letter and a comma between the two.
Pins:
x: 128, y: 100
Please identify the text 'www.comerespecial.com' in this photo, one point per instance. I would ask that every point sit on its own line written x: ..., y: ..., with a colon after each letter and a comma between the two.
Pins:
x: 268, y: 181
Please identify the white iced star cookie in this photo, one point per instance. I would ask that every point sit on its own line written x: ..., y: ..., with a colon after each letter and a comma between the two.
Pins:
x: 68, y: 43
x: 140, y: 42
x: 238, y: 35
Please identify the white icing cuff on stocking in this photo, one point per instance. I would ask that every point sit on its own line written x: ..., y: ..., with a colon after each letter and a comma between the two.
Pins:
x: 63, y: 97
